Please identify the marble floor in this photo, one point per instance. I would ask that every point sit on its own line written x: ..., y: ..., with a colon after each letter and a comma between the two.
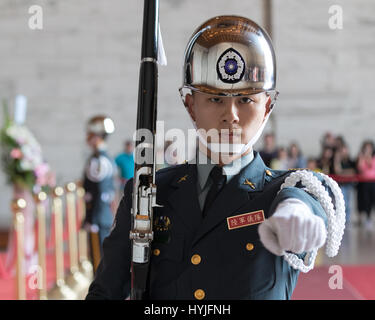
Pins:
x: 357, y: 246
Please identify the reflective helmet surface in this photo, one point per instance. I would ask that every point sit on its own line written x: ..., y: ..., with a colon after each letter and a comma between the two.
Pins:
x: 100, y: 125
x: 229, y: 55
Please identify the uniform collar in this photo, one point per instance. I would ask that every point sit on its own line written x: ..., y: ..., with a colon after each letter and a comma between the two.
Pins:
x: 234, y: 195
x: 252, y: 177
x: 204, y: 167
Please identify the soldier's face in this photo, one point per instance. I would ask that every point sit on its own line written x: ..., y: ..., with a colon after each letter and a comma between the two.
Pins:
x: 246, y: 113
x: 93, y: 140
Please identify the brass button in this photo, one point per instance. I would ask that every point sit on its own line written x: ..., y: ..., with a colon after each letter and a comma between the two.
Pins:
x: 199, y: 294
x: 196, y: 259
x: 268, y: 173
x: 156, y: 252
x: 249, y: 246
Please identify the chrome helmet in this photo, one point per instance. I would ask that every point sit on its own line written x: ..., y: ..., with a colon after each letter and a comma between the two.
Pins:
x: 230, y: 56
x: 100, y: 125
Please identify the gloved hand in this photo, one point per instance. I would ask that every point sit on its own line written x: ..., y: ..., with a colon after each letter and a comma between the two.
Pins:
x: 293, y: 227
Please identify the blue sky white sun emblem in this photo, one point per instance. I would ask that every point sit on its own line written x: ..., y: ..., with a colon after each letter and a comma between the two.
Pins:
x: 230, y: 66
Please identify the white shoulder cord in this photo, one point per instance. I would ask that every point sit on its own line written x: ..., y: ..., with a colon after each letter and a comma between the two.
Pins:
x: 336, y: 218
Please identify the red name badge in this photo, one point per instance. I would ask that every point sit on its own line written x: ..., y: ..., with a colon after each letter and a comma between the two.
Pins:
x: 246, y: 219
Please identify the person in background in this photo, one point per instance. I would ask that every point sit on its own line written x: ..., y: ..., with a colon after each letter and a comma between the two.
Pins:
x: 125, y: 163
x: 312, y: 164
x: 339, y: 142
x: 282, y: 161
x: 328, y: 141
x: 344, y: 166
x: 366, y: 187
x: 269, y: 151
x: 296, y: 159
x: 98, y: 183
x: 325, y: 163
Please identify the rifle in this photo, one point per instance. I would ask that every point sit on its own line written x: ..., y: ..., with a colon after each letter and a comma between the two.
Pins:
x: 144, y: 188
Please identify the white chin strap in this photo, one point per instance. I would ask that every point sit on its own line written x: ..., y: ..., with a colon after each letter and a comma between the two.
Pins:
x: 236, y: 148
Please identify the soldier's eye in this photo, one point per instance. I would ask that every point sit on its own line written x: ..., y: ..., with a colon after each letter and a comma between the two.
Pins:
x: 215, y: 100
x: 246, y: 100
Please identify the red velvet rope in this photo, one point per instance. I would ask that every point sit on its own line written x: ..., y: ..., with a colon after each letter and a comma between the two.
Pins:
x: 50, y: 242
x: 350, y: 178
x: 3, y: 273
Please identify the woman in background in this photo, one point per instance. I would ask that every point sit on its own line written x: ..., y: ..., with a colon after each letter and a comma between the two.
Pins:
x: 366, y: 188
x: 296, y: 159
x: 344, y: 166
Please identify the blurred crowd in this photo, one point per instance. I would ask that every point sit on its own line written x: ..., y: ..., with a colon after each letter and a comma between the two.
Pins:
x: 356, y: 176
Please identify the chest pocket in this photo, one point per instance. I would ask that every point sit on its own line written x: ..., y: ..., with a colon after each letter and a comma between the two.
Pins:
x: 255, y: 270
x: 166, y: 261
x: 168, y: 250
x: 240, y: 246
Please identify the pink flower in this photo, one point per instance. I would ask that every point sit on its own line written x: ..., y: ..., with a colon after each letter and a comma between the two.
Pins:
x: 41, y: 172
x: 51, y: 179
x: 42, y: 169
x: 16, y: 153
x: 20, y: 141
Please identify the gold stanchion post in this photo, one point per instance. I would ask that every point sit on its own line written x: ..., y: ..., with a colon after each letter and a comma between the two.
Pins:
x: 95, y: 246
x: 85, y: 265
x: 75, y: 280
x: 40, y: 198
x: 60, y: 291
x: 19, y: 227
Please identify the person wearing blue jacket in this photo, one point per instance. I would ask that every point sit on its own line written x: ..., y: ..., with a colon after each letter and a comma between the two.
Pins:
x: 98, y: 182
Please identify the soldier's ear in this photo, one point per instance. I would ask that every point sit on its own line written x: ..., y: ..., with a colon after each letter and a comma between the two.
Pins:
x: 189, y: 103
x: 268, y: 105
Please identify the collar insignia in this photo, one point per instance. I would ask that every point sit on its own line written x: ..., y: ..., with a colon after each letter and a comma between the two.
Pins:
x: 249, y: 183
x: 182, y: 178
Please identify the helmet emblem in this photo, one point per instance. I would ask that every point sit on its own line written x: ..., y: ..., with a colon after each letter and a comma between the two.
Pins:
x: 230, y: 66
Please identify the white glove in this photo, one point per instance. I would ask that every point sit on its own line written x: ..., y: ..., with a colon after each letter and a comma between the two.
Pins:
x: 293, y: 227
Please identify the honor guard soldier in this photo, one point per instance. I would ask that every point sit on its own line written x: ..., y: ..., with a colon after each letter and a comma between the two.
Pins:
x: 224, y: 227
x: 98, y: 183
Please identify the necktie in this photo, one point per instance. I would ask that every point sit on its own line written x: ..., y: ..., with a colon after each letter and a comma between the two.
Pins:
x: 219, y: 180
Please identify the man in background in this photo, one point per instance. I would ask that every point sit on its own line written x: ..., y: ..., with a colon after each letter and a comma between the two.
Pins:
x: 125, y: 163
x: 269, y: 151
x: 98, y: 184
